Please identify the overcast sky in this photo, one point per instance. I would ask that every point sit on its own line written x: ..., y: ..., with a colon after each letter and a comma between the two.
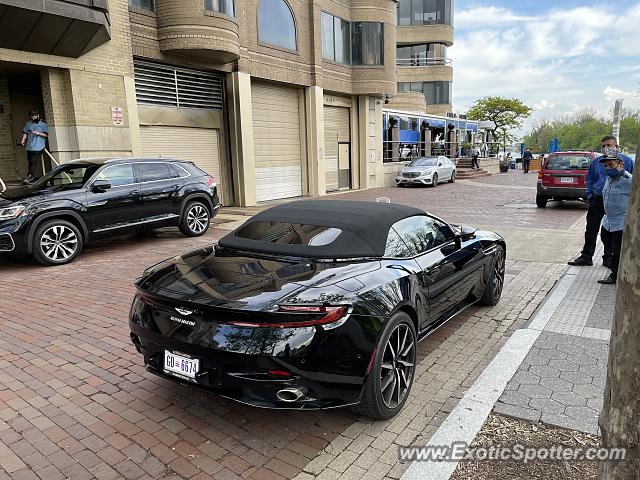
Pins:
x: 558, y: 57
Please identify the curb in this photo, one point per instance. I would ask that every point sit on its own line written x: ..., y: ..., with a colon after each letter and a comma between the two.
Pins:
x: 467, y: 418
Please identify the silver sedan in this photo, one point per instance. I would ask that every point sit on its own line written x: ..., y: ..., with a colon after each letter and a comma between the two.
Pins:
x: 427, y: 171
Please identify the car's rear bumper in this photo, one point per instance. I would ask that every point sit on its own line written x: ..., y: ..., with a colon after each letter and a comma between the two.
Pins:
x: 236, y: 362
x: 568, y: 193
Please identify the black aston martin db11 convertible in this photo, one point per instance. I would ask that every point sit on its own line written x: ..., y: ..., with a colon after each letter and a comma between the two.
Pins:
x: 313, y: 304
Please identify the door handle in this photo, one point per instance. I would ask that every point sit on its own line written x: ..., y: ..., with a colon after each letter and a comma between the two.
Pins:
x: 134, y: 192
x: 433, y: 270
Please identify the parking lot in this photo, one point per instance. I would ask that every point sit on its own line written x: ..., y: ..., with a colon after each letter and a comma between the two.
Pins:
x: 76, y: 401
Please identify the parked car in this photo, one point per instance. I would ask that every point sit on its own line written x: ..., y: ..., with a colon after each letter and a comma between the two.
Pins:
x: 89, y: 199
x: 313, y: 304
x: 563, y: 177
x: 427, y: 171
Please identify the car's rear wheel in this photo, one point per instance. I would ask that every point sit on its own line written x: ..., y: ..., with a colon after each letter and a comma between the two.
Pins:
x: 493, y: 292
x: 453, y: 177
x: 56, y: 242
x: 195, y: 219
x: 388, y: 384
x: 434, y: 182
x: 541, y: 201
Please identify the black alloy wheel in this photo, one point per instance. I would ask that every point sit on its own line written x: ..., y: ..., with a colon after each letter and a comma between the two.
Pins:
x: 388, y: 384
x: 453, y: 177
x: 493, y: 292
x: 434, y: 182
x: 195, y: 219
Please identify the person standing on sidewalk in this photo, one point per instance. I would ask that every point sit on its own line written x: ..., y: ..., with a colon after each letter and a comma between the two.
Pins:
x: 616, y: 193
x: 34, y: 137
x: 596, y: 178
x: 475, y: 153
x: 526, y: 160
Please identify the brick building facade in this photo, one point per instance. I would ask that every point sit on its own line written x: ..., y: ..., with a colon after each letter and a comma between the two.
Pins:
x: 277, y: 98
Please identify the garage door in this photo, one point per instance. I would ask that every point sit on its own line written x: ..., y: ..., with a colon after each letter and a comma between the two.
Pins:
x: 276, y: 137
x: 336, y: 131
x: 198, y: 145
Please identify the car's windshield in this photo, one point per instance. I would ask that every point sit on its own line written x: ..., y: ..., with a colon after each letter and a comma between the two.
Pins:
x: 424, y: 162
x: 66, y: 177
x: 569, y: 162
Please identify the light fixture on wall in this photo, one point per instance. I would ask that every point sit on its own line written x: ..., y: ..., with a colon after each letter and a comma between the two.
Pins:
x: 387, y: 100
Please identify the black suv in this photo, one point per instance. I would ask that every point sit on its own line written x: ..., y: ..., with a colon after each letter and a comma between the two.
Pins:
x: 89, y: 199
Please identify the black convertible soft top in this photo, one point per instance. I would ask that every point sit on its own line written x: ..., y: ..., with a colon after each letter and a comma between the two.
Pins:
x: 364, y: 225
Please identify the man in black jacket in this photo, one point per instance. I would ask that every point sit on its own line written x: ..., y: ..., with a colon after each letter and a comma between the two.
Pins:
x: 526, y: 160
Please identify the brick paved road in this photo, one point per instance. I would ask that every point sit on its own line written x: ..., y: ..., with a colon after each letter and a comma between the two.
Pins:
x: 75, y: 401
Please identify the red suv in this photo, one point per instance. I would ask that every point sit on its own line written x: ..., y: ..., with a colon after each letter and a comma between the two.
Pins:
x: 563, y: 177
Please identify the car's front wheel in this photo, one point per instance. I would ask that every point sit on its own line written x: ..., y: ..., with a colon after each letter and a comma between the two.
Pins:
x: 453, y: 177
x: 493, y: 292
x: 541, y: 201
x: 388, y: 384
x: 195, y: 219
x: 434, y: 182
x: 56, y: 242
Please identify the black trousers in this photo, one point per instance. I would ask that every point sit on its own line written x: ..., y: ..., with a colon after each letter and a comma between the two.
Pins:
x: 613, y: 242
x: 595, y: 213
x: 474, y: 161
x: 33, y: 158
x: 525, y: 165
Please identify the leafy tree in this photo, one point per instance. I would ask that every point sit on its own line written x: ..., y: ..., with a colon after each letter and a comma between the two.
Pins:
x: 583, y: 131
x: 506, y: 113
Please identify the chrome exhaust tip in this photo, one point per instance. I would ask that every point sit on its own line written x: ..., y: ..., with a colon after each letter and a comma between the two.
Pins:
x: 290, y: 395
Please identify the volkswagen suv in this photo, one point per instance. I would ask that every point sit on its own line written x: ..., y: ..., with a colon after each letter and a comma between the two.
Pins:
x: 88, y: 199
x: 563, y: 176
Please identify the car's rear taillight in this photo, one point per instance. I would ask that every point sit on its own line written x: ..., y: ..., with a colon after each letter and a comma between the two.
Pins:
x: 324, y: 316
x: 212, y: 182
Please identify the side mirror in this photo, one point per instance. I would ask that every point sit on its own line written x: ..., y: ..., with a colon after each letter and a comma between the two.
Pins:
x: 467, y: 233
x: 101, y: 185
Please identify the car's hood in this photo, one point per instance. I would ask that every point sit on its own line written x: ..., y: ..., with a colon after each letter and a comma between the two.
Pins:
x: 24, y: 195
x: 225, y: 280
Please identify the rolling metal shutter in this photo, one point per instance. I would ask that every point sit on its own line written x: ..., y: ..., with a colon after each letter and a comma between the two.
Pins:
x: 199, y: 145
x: 336, y: 129
x: 277, y: 148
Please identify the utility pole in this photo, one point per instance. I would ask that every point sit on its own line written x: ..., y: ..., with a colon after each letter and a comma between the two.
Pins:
x: 617, y: 118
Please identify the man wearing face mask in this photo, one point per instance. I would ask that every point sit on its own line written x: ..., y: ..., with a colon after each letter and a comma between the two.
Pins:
x: 596, y: 178
x: 616, y: 194
x: 34, y: 137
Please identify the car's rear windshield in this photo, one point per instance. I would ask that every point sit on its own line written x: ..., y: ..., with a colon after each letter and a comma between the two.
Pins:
x: 569, y: 162
x: 424, y: 162
x: 289, y: 233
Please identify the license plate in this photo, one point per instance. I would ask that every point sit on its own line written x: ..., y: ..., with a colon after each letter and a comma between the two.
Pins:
x: 566, y: 179
x: 180, y: 365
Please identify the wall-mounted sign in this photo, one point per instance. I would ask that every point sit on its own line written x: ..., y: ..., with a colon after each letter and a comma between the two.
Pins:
x: 117, y: 116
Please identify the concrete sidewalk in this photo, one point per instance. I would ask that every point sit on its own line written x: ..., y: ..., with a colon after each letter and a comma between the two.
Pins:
x: 552, y: 371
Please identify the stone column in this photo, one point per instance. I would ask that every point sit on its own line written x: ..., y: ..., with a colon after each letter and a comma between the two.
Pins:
x: 241, y: 138
x: 314, y: 103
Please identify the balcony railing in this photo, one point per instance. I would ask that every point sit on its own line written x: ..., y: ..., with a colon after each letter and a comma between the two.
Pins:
x: 422, y: 62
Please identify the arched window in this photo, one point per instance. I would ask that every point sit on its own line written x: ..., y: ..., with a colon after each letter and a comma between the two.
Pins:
x: 276, y: 25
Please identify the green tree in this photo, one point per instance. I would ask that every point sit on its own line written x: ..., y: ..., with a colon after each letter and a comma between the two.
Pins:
x: 506, y: 113
x: 583, y: 131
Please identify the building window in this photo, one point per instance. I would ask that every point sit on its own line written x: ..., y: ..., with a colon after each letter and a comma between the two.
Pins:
x: 435, y: 93
x: 422, y: 55
x: 143, y: 4
x: 276, y: 25
x: 425, y: 12
x: 226, y: 7
x: 336, y: 39
x: 367, y: 43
